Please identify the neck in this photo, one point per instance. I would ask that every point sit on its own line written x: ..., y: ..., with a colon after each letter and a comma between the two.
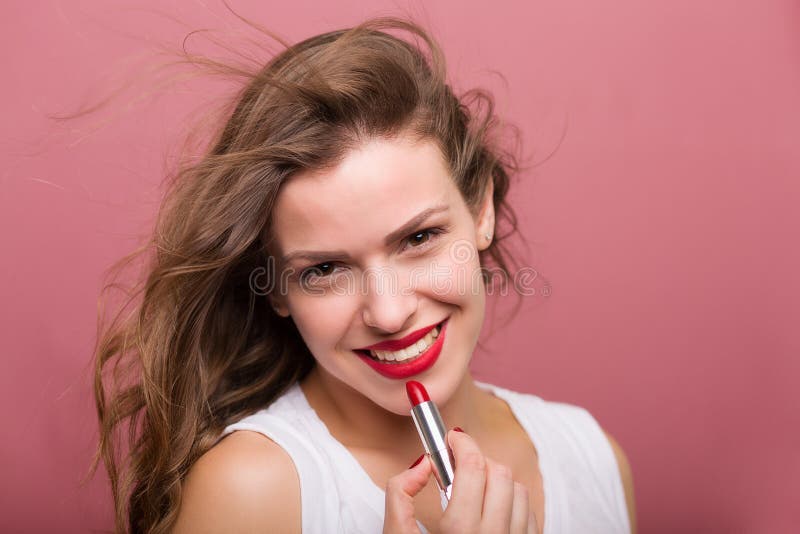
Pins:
x: 357, y: 422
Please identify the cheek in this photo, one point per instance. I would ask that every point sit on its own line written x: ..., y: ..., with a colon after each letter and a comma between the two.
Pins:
x: 455, y: 274
x: 321, y: 320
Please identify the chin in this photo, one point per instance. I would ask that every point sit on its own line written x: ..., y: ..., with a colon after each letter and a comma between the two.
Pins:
x: 404, y: 411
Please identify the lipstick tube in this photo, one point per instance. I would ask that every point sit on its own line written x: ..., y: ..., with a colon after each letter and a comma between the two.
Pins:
x: 433, y: 435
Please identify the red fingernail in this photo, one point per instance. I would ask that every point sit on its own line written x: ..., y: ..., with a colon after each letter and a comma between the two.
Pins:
x: 421, y: 456
x: 458, y: 429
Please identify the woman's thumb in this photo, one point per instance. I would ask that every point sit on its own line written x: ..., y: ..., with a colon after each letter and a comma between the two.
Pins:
x: 400, y: 491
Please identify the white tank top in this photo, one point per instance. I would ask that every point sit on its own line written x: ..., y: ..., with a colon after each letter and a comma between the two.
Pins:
x: 583, y: 490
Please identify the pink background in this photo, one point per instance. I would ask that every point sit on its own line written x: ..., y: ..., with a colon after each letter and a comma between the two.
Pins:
x: 666, y: 226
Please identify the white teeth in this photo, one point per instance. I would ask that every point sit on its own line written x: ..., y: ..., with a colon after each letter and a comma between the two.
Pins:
x: 423, y: 343
x: 408, y: 352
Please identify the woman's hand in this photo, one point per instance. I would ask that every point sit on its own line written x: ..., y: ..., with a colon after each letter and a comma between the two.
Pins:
x: 485, y: 497
x: 400, y: 492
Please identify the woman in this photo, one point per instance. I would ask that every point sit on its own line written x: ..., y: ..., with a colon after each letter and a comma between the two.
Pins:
x: 349, y: 201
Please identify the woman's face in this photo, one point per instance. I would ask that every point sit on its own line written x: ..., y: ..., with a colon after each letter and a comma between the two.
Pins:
x: 373, y: 276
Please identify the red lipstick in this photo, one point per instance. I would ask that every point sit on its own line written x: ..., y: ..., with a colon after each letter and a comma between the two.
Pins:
x: 400, y: 344
x: 416, y: 392
x: 411, y: 367
x: 433, y: 435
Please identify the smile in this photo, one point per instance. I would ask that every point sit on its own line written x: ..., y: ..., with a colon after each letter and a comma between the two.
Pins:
x: 409, y: 353
x: 412, y: 360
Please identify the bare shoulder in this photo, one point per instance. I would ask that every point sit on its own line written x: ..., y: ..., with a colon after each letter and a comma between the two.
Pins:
x: 627, y: 479
x: 245, y: 483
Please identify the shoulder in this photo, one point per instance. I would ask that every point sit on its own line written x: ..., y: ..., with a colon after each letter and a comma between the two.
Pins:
x: 585, y: 420
x: 627, y: 478
x: 580, y: 430
x: 245, y: 483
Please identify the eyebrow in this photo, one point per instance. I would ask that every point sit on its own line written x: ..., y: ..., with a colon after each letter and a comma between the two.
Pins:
x: 407, y: 228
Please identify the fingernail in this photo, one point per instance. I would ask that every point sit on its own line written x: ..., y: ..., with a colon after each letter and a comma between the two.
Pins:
x: 458, y: 429
x: 418, y: 460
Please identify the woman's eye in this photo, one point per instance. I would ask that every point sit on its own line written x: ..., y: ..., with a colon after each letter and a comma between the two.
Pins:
x: 423, y: 237
x: 320, y: 270
x: 419, y: 238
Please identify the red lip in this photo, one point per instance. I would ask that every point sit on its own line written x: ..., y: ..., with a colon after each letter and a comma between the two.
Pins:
x: 399, y: 344
x: 416, y: 366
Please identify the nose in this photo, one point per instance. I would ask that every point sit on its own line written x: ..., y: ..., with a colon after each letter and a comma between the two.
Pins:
x: 387, y: 306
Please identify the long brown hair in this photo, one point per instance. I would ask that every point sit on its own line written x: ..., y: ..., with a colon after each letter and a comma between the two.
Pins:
x: 200, y: 348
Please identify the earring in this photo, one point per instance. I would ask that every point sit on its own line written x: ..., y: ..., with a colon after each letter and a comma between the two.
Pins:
x: 488, y: 237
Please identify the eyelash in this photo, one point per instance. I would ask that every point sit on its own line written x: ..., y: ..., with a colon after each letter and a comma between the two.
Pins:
x: 434, y: 232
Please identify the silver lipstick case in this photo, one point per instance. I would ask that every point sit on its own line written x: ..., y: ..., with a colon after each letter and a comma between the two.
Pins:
x: 433, y: 435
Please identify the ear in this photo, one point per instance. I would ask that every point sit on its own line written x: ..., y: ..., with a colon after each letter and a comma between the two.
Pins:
x: 484, y: 225
x: 277, y: 301
x: 279, y: 306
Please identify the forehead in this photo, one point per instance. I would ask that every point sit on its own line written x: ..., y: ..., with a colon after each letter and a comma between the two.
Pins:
x: 374, y: 190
